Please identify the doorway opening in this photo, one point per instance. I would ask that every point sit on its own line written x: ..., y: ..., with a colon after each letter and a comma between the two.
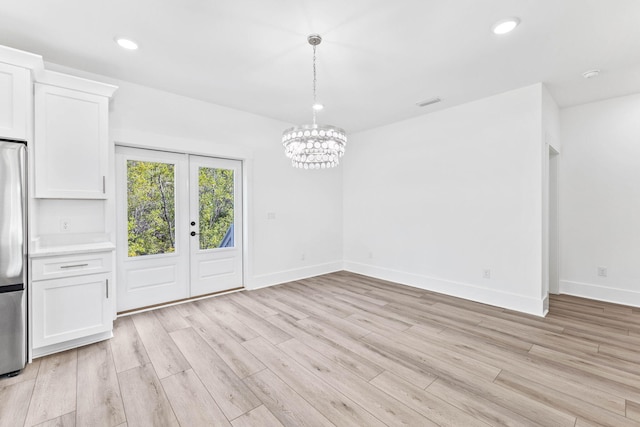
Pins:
x: 554, y: 238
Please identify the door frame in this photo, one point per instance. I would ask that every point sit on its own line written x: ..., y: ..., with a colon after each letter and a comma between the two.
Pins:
x: 207, y: 148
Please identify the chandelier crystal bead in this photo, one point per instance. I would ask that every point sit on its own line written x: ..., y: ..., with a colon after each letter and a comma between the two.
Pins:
x: 314, y: 146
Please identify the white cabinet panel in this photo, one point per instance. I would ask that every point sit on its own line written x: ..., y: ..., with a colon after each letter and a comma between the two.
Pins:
x: 71, y: 146
x: 14, y: 101
x: 69, y: 308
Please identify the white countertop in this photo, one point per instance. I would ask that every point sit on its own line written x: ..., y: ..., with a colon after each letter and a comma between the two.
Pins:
x: 70, y: 244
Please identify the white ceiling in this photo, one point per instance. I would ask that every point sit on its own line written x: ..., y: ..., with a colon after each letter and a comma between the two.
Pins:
x: 378, y: 57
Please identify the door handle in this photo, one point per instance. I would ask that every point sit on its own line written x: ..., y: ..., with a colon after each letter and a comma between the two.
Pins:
x: 107, y: 287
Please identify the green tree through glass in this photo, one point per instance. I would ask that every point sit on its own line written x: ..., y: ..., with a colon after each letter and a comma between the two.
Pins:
x: 150, y: 208
x: 216, y: 205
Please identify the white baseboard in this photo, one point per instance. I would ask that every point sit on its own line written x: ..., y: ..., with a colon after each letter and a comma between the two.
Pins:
x: 461, y: 290
x: 601, y: 293
x: 266, y: 280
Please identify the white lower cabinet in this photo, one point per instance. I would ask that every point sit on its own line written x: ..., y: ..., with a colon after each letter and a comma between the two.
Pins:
x: 70, y: 311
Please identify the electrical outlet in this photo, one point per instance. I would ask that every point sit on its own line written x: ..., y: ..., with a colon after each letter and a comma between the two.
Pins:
x: 370, y: 255
x: 486, y: 273
x: 65, y: 225
x: 602, y: 271
x: 271, y: 215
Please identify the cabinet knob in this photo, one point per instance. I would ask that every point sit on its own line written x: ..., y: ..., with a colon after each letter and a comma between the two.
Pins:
x: 193, y: 233
x: 193, y: 223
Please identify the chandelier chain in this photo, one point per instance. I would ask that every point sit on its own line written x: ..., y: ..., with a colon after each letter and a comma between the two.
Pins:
x: 314, y: 83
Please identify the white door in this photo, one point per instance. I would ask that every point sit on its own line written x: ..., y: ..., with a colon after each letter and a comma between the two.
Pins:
x: 159, y: 196
x: 153, y: 213
x: 216, y: 224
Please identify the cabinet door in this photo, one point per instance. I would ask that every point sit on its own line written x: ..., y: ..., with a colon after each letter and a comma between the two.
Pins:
x: 71, y: 146
x: 69, y: 308
x: 14, y: 99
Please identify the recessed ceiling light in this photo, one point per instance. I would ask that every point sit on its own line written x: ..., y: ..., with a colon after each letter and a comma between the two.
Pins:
x: 317, y: 107
x: 126, y: 43
x: 591, y: 74
x: 505, y: 26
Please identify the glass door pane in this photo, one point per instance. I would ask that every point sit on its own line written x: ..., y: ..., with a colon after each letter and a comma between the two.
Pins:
x: 150, y: 208
x: 216, y: 207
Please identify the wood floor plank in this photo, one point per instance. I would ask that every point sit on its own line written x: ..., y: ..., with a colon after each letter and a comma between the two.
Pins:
x: 170, y: 318
x: 54, y: 393
x: 14, y: 403
x: 589, y: 365
x: 241, y: 361
x: 546, y: 374
x: 221, y: 315
x: 543, y: 338
x: 453, y: 368
x: 329, y: 347
x: 126, y: 345
x: 429, y: 405
x: 561, y: 401
x: 165, y: 356
x: 633, y: 410
x: 66, y: 420
x: 99, y: 402
x: 228, y: 391
x: 259, y: 417
x: 479, y: 407
x: 283, y: 402
x: 366, y: 353
x: 145, y: 402
x: 191, y: 402
x: 265, y: 329
x: 332, y: 404
x: 269, y: 298
x: 631, y: 356
x: 244, y: 300
x: 381, y: 405
x: 301, y: 302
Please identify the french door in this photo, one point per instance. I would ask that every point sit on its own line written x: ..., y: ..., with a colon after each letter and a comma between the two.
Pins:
x: 179, y: 226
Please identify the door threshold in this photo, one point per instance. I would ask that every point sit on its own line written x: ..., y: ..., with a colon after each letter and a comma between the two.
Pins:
x: 176, y: 302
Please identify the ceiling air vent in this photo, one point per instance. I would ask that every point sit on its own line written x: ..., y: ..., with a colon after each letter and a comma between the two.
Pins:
x: 428, y: 102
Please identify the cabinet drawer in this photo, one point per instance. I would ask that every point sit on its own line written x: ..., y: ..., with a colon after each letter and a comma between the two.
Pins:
x: 70, y: 265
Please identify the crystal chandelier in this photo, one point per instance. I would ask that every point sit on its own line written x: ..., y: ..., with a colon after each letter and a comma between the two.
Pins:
x: 314, y: 146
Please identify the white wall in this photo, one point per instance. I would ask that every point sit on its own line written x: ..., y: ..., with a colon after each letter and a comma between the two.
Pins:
x: 307, y: 204
x: 435, y: 200
x: 600, y: 200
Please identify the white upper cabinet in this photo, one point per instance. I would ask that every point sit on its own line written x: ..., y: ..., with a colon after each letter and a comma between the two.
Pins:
x: 14, y: 101
x: 71, y: 141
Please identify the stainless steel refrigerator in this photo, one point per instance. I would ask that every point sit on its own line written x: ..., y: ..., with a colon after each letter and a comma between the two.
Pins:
x: 13, y: 257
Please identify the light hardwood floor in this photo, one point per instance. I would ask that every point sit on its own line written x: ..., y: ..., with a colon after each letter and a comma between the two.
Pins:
x: 343, y: 350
